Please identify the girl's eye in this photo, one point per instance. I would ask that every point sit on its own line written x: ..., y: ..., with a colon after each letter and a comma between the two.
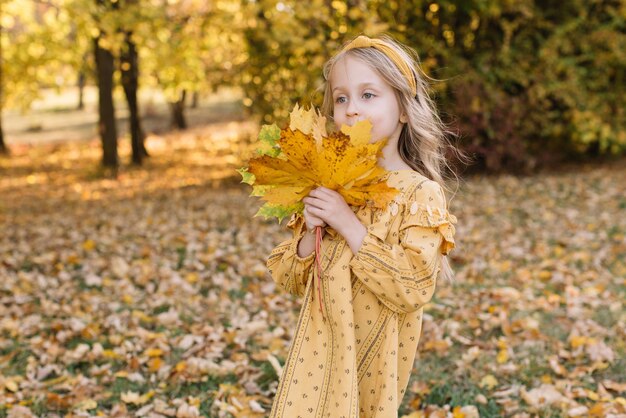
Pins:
x: 340, y: 99
x: 368, y: 95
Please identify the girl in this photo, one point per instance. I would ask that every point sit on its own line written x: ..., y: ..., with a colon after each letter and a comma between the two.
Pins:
x: 354, y: 358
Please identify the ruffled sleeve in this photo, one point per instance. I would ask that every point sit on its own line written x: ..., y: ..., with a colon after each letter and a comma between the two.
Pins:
x: 403, y: 275
x: 429, y: 216
x: 288, y: 270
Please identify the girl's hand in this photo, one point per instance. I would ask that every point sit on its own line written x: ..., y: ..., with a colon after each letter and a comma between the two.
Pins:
x: 311, y: 220
x: 326, y: 206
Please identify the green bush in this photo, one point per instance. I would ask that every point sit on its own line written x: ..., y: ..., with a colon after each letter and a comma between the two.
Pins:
x: 525, y: 84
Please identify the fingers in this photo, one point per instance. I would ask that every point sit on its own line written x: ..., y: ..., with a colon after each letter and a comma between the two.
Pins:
x: 314, y: 211
x: 321, y: 192
x: 319, y: 196
x: 311, y: 219
x: 317, y: 205
x: 314, y: 202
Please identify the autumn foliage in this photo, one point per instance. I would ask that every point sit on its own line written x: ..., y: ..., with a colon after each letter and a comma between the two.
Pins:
x: 525, y: 84
x: 149, y: 294
x: 295, y: 160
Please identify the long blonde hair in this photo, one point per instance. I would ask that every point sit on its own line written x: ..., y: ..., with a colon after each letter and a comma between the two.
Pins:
x: 423, y: 141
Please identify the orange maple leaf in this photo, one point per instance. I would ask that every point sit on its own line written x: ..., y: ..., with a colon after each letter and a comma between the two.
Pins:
x: 343, y: 161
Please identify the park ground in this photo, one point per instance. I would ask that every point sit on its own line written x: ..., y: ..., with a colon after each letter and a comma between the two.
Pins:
x: 148, y: 293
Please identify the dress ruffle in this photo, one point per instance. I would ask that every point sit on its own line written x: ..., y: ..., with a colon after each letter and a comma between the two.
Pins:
x: 413, y: 213
x: 419, y: 214
x: 295, y: 222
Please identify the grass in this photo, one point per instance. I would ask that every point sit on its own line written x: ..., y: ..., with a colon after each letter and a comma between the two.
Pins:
x: 16, y: 366
x: 177, y: 217
x: 460, y: 393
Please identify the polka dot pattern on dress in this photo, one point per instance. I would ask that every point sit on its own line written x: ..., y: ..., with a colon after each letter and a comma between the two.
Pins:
x: 357, y: 362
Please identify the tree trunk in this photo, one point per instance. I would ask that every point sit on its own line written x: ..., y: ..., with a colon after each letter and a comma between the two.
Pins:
x: 106, y: 109
x: 178, y: 112
x: 81, y: 90
x: 3, y: 148
x: 130, y: 81
x: 194, y: 100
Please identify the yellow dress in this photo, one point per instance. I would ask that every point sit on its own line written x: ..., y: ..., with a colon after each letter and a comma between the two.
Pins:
x: 354, y: 359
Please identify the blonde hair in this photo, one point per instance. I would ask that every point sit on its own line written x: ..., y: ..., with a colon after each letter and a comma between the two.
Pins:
x: 423, y: 141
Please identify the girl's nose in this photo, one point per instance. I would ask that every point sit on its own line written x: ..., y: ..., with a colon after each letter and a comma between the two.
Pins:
x: 352, y: 110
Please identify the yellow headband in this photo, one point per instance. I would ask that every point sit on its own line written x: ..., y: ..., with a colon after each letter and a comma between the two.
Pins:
x: 365, y: 42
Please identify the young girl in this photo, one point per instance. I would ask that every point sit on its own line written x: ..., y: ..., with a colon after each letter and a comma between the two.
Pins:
x: 354, y: 357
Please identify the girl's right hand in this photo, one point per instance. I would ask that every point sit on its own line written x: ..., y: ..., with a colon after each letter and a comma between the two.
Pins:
x: 311, y: 220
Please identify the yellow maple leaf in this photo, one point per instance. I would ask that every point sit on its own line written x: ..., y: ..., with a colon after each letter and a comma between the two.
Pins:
x: 180, y: 366
x: 359, y: 133
x: 11, y: 385
x: 489, y: 381
x: 576, y: 341
x: 308, y: 122
x: 345, y: 162
x: 457, y: 413
x: 86, y: 404
x: 136, y: 398
x: 154, y: 364
x: 153, y: 352
x: 89, y: 245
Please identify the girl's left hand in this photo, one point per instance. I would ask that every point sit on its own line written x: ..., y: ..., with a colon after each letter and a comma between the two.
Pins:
x: 330, y: 206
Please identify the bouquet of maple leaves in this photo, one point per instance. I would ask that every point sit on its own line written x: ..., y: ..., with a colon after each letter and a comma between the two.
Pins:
x: 293, y: 161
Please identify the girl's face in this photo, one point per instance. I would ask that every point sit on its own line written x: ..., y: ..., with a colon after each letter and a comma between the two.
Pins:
x: 360, y: 93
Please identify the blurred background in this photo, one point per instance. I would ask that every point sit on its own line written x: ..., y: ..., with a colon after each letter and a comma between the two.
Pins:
x: 524, y: 84
x: 132, y: 270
